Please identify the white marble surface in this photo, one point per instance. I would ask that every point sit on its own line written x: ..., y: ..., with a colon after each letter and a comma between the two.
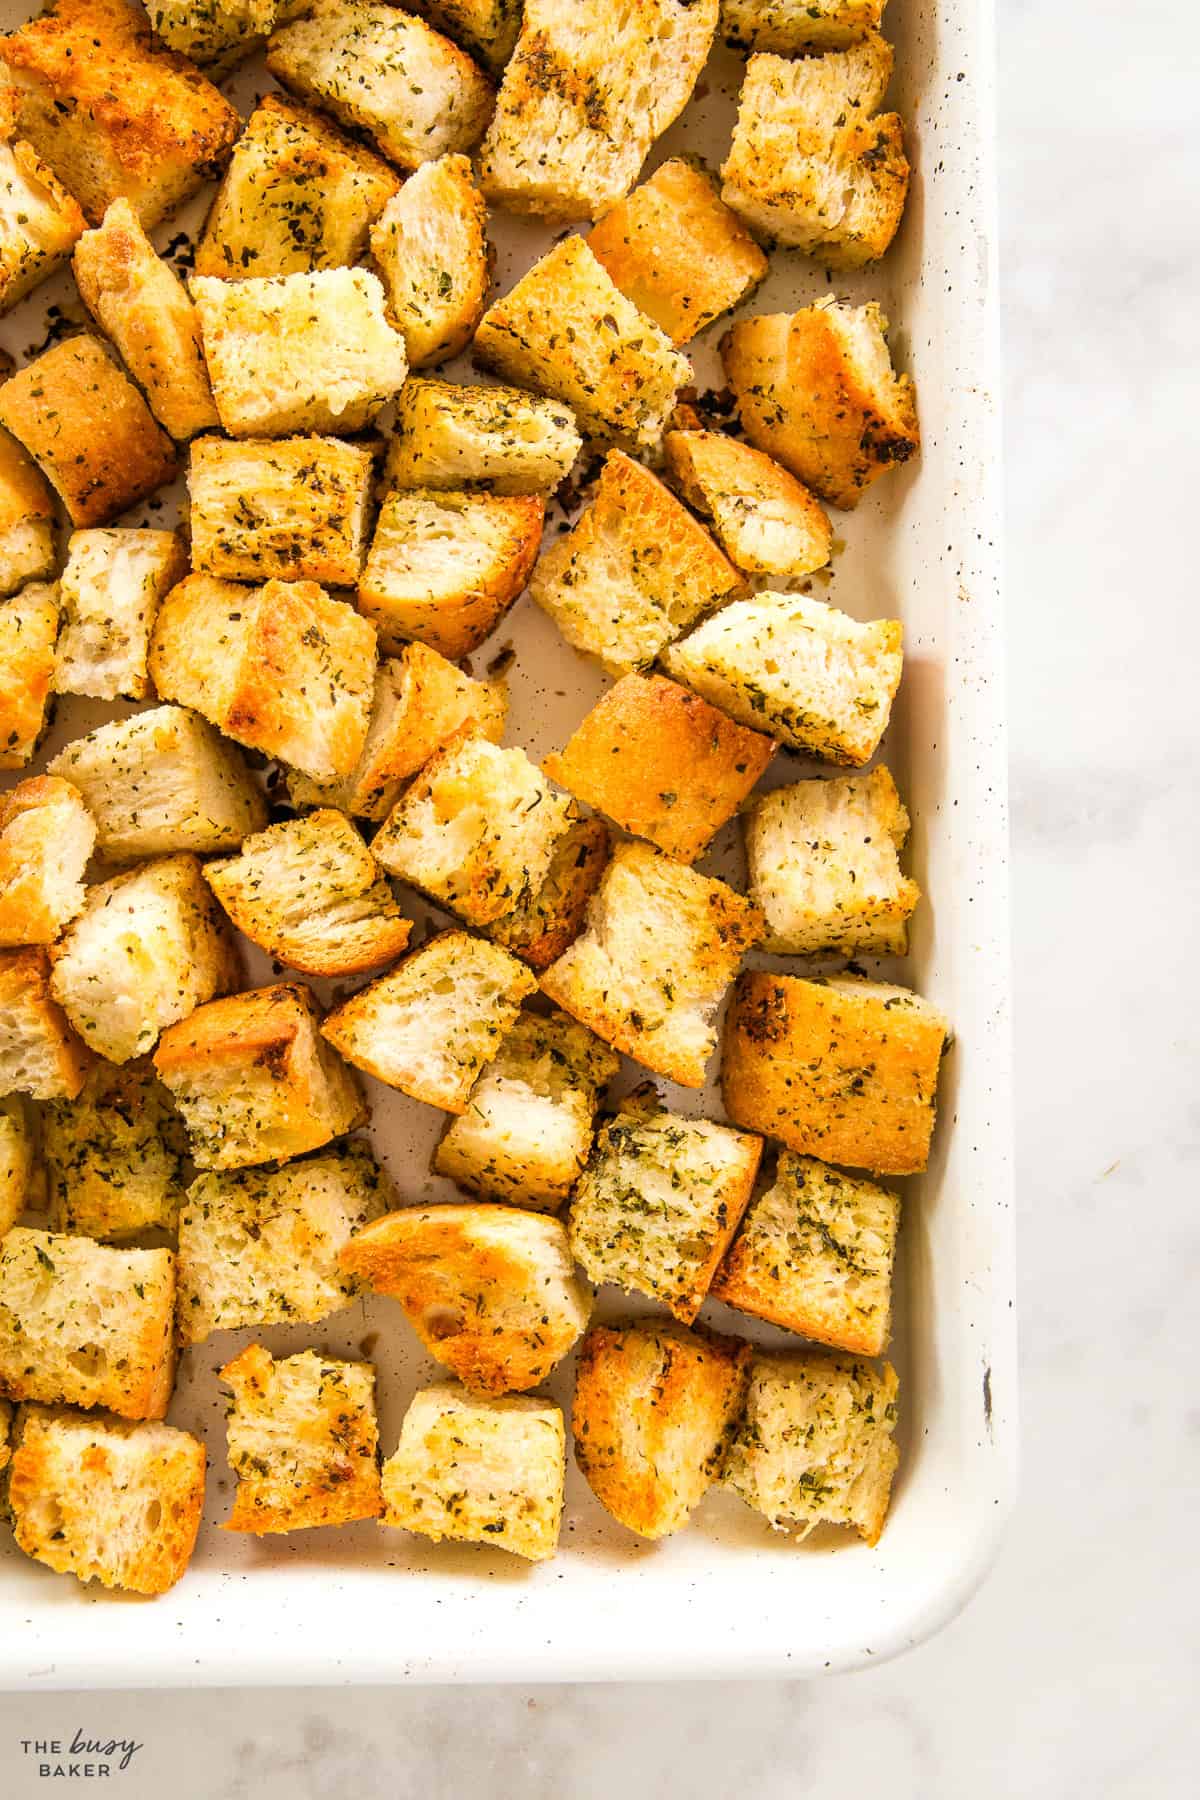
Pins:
x: 1074, y: 1671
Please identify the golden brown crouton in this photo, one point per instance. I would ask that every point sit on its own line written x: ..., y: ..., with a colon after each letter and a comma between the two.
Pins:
x: 39, y: 220
x: 654, y: 1408
x: 27, y: 547
x: 765, y: 520
x: 676, y: 250
x: 490, y: 1290
x: 39, y: 1053
x: 22, y: 1182
x: 817, y: 391
x: 303, y: 1441
x: 28, y: 629
x: 110, y: 592
x: 218, y: 34
x: 495, y: 438
x: 486, y: 28
x: 294, y: 508
x: 550, y: 916
x: 431, y: 246
x: 661, y: 945
x: 254, y: 1080
x: 46, y: 838
x: 792, y: 26
x: 840, y: 1068
x: 114, y: 1156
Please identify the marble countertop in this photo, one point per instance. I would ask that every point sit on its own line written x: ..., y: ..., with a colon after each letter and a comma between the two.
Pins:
x: 1073, y: 1671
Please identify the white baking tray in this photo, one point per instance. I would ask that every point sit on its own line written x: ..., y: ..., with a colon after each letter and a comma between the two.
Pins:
x: 725, y: 1597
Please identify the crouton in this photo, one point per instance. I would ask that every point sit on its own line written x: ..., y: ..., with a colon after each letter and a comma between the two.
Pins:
x: 550, y: 916
x: 814, y: 1254
x: 27, y: 547
x: 140, y: 302
x: 254, y: 1080
x: 661, y: 945
x: 162, y: 781
x: 303, y: 1441
x: 283, y: 668
x: 421, y: 702
x: 661, y: 763
x: 476, y: 830
x: 635, y: 571
x: 841, y: 1068
x: 28, y: 629
x: 88, y: 428
x: 39, y: 1052
x: 588, y: 89
x: 46, y: 838
x: 765, y: 520
x: 113, y: 113
x: 568, y: 331
x: 655, y: 1406
x: 114, y: 1156
x: 528, y: 1126
x: 487, y: 29
x: 148, y: 948
x: 824, y: 866
x: 39, y: 220
x: 676, y: 250
x: 86, y: 1325
x: 297, y: 195
x: 444, y: 568
x: 260, y: 1246
x: 381, y: 71
x: 6, y: 1419
x: 110, y: 593
x: 496, y: 438
x: 792, y: 26
x: 479, y: 1471
x: 430, y: 1024
x: 295, y: 509
x: 107, y: 1501
x: 218, y: 34
x: 810, y: 675
x: 431, y: 246
x: 817, y: 391
x: 660, y: 1200
x: 815, y: 1443
x: 309, y: 892
x: 294, y: 353
x: 21, y: 1183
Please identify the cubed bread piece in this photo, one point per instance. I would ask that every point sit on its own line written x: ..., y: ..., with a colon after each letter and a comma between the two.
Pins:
x: 765, y: 520
x: 476, y: 830
x: 113, y: 113
x: 283, y: 668
x: 88, y: 428
x: 143, y: 306
x: 567, y: 330
x: 491, y: 1291
x: 114, y: 1155
x: 295, y: 508
x: 635, y: 570
x: 676, y: 250
x: 809, y: 675
x: 309, y: 892
x: 381, y: 71
x: 431, y: 247
x: 817, y: 391
x: 792, y: 26
x: 430, y: 1024
x: 824, y: 866
x: 254, y: 1080
x: 21, y: 1182
x: 814, y: 1254
x: 528, y: 1127
x: 28, y: 629
x: 297, y: 195
x: 655, y: 1405
x: 260, y: 1246
x: 110, y: 593
x: 47, y: 835
x: 647, y: 974
x: 588, y: 89
x: 479, y: 1471
x: 421, y: 702
x: 39, y: 220
x: 86, y: 1325
x: 840, y: 1068
x: 160, y: 781
x: 486, y: 28
x: 815, y: 1444
x: 108, y: 1501
x: 550, y: 916
x: 662, y: 763
x: 39, y: 1053
x: 303, y: 1441
x: 149, y: 947
x: 449, y: 436
x: 813, y: 164
x: 292, y: 353
x: 215, y: 34
x: 445, y: 567
x: 27, y: 547
x: 660, y: 1200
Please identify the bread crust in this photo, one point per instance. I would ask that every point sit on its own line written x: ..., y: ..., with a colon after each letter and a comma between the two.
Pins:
x: 290, y: 509
x: 41, y: 219
x: 765, y: 520
x: 487, y: 29
x: 28, y: 630
x: 450, y: 435
x: 28, y: 551
x: 46, y: 838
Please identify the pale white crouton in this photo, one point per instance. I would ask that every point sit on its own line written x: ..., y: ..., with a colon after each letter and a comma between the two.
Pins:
x: 114, y: 1155
x: 39, y: 1052
x: 486, y: 28
x: 498, y: 438
x: 431, y: 246
x: 27, y: 547
x: 39, y: 220
x: 550, y: 916
x: 28, y: 629
x: 47, y: 835
x: 765, y: 520
x: 110, y: 593
x: 792, y: 26
x: 21, y: 1182
x: 294, y: 508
